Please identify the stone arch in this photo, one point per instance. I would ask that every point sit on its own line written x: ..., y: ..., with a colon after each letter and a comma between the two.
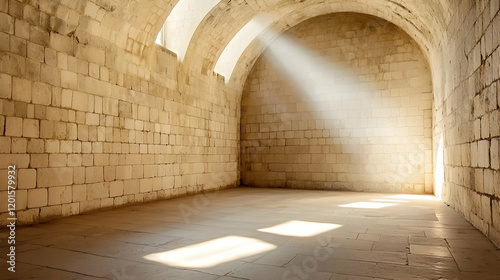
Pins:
x: 321, y: 115
x: 215, y: 33
x: 254, y: 49
x: 141, y: 20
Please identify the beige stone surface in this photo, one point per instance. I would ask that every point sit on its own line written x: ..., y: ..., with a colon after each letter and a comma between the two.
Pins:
x: 37, y: 197
x: 31, y: 128
x: 48, y: 177
x: 61, y: 62
x: 19, y: 145
x: 350, y: 122
x: 60, y: 195
x: 21, y: 89
x: 5, y: 86
x: 5, y: 145
x: 79, y: 193
x: 13, y: 126
x: 17, y: 160
x: 404, y: 240
x: 93, y: 174
x: 26, y: 178
x: 116, y: 188
x: 97, y: 191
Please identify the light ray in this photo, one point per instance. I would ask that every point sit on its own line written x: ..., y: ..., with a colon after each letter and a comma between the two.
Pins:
x: 227, y: 61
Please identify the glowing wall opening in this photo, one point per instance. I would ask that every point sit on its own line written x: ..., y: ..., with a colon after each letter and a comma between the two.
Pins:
x: 181, y: 24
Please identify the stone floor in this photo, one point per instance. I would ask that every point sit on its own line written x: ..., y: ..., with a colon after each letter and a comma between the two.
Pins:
x: 260, y: 234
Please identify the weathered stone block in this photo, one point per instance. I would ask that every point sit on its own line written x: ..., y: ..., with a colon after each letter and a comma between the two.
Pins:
x: 4, y: 145
x: 41, y: 93
x: 37, y: 197
x: 116, y: 188
x: 94, y: 174
x: 123, y: 172
x: 79, y: 193
x: 5, y: 86
x: 6, y: 23
x: 130, y: 187
x: 26, y: 178
x: 97, y: 191
x: 19, y: 160
x: 31, y: 128
x: 60, y: 195
x: 14, y: 126
x: 495, y: 153
x: 49, y: 177
x: 80, y: 101
x: 70, y: 209
x: 19, y: 145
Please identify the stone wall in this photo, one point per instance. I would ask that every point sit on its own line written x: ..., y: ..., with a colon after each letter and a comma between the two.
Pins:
x: 355, y: 117
x: 467, y: 114
x: 95, y: 116
x: 93, y: 123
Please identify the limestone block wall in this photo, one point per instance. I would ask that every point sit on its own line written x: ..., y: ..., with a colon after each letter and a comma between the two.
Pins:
x: 93, y: 123
x: 363, y: 122
x: 467, y: 116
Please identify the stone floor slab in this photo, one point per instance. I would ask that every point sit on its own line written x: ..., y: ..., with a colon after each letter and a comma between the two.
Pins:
x: 308, y: 235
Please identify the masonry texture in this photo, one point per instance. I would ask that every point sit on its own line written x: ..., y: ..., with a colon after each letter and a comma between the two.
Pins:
x: 363, y: 126
x: 89, y: 126
x: 467, y: 115
x: 94, y: 115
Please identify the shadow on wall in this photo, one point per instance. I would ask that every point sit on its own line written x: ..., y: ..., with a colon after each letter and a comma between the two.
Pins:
x: 339, y: 108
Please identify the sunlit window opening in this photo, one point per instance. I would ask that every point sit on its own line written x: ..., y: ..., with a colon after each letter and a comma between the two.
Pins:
x: 233, y: 51
x: 300, y: 228
x: 212, y: 253
x: 159, y: 39
x: 181, y: 24
x: 367, y: 205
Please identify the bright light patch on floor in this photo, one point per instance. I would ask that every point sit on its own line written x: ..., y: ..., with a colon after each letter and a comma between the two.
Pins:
x: 300, y: 228
x: 367, y: 205
x: 212, y: 253
x: 413, y: 197
x: 389, y: 200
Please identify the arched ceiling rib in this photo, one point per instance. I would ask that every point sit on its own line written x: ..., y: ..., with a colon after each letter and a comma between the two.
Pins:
x: 419, y: 19
x: 423, y: 20
x: 286, y: 21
